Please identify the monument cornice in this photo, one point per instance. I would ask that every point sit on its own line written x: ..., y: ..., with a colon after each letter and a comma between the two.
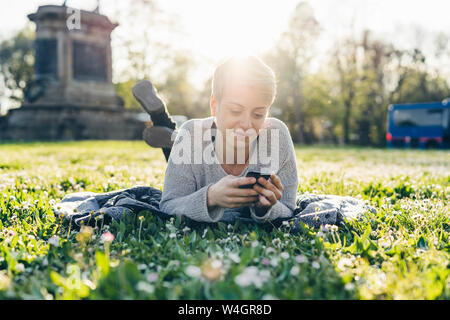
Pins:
x: 54, y: 12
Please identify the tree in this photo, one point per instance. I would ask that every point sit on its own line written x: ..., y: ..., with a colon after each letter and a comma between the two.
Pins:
x: 344, y: 59
x: 371, y: 118
x: 123, y: 90
x: 177, y: 90
x: 321, y: 113
x: 153, y: 55
x: 203, y: 99
x: 371, y: 74
x: 416, y: 82
x: 145, y: 41
x: 290, y: 59
x: 16, y: 65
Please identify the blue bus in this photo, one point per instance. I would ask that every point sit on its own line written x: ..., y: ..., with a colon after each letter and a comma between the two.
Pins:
x: 420, y: 125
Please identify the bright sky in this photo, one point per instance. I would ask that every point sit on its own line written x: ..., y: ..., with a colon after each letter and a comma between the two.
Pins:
x: 216, y: 28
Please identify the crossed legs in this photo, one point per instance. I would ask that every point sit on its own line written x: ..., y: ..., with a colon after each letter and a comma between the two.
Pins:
x: 160, y: 134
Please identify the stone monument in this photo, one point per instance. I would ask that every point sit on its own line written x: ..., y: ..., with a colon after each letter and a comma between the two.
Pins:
x: 72, y: 96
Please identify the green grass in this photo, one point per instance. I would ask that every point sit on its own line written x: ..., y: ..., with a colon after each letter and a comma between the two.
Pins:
x: 401, y: 252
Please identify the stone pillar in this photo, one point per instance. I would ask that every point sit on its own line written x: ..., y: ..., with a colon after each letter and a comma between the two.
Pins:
x: 73, y: 97
x: 81, y: 73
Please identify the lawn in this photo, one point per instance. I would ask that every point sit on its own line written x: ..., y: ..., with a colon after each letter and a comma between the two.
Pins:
x: 401, y: 252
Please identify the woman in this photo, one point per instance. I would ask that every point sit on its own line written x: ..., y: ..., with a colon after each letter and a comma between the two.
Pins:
x: 210, y: 157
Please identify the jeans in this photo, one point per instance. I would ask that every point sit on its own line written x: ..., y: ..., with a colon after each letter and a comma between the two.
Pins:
x: 163, y: 119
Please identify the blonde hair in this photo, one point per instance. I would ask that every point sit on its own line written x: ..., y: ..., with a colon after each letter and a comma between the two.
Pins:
x: 247, y: 70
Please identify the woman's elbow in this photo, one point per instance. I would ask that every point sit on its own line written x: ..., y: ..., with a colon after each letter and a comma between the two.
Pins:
x: 165, y: 206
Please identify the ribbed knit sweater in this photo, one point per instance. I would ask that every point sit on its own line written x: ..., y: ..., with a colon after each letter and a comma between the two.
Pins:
x: 188, y: 176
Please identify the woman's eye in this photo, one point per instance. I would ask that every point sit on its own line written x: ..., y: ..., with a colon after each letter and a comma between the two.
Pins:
x: 258, y: 116
x: 235, y: 112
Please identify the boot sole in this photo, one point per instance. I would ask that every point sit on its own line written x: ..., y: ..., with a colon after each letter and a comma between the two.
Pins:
x: 158, y: 137
x: 143, y: 91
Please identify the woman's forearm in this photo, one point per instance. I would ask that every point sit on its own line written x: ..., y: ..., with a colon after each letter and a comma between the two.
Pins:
x: 194, y: 206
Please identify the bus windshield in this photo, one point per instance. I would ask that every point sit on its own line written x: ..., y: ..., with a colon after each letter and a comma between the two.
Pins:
x: 417, y: 117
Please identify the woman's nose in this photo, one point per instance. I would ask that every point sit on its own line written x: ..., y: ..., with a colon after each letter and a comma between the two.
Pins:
x: 246, y: 122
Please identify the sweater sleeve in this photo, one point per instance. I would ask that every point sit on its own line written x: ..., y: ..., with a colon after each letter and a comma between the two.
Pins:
x: 289, y: 179
x: 180, y: 195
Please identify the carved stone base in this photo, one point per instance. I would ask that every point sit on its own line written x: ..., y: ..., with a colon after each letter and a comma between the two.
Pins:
x: 69, y: 123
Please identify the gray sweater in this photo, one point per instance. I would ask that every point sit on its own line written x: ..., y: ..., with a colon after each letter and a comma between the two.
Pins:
x: 193, y: 167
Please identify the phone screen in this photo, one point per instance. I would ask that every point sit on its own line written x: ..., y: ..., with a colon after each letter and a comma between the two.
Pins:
x: 256, y: 175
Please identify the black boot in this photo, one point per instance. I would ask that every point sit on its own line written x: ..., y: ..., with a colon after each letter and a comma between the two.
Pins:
x: 160, y: 135
x: 145, y: 93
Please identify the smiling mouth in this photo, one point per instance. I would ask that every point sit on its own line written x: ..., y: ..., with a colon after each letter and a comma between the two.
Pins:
x: 241, y: 136
x: 249, y: 133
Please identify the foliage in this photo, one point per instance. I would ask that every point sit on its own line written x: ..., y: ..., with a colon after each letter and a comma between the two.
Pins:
x: 177, y: 89
x: 16, y: 64
x: 346, y: 99
x: 343, y: 101
x: 290, y: 60
x: 123, y: 90
x: 400, y: 252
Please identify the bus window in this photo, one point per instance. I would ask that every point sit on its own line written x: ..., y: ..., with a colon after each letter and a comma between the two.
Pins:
x: 418, y: 117
x: 446, y: 120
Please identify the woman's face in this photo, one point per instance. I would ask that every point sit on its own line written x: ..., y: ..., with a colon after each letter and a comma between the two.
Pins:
x: 240, y: 114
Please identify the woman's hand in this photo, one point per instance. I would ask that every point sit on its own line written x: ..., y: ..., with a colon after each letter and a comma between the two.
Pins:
x: 226, y: 193
x: 269, y: 194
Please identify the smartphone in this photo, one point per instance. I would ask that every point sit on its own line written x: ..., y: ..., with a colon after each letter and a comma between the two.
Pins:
x: 256, y: 174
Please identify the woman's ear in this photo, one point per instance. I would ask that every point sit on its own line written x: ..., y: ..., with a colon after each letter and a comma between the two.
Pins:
x: 212, y: 105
